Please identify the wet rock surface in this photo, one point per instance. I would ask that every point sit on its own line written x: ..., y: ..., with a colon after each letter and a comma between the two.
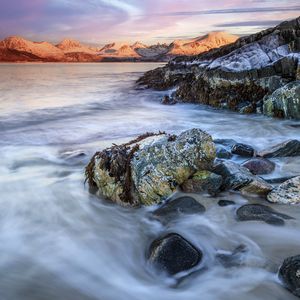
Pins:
x: 285, y: 149
x: 259, y: 166
x: 222, y: 152
x: 259, y: 212
x: 223, y: 203
x: 234, y: 259
x: 289, y: 273
x: 149, y: 169
x: 242, y: 150
x: 203, y: 181
x: 167, y: 100
x: 286, y: 193
x: 175, y: 207
x: 173, y: 254
x: 236, y: 177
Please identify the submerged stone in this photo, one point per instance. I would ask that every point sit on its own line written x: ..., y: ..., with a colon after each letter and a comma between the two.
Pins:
x: 289, y: 273
x: 203, y: 181
x: 285, y: 149
x: 286, y: 193
x: 175, y: 207
x: 242, y: 150
x: 173, y: 254
x: 259, y: 212
x: 148, y: 169
x: 225, y: 202
x: 259, y: 166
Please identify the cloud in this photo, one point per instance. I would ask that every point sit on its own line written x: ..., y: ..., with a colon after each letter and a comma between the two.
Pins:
x: 233, y: 11
x: 250, y: 23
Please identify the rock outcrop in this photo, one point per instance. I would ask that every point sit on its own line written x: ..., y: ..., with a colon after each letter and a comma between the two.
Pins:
x: 238, y: 76
x: 149, y: 169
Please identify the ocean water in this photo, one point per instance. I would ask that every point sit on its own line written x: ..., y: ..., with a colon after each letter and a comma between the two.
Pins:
x: 58, y: 241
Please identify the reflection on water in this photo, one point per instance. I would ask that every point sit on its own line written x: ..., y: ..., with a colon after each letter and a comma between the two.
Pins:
x: 59, y: 242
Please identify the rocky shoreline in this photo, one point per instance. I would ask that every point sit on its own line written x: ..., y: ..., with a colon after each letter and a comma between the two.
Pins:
x: 259, y: 73
x: 149, y: 169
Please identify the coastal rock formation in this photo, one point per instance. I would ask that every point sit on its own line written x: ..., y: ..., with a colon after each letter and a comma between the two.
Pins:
x: 286, y: 193
x: 237, y: 76
x: 173, y: 254
x: 148, y: 169
x: 284, y: 149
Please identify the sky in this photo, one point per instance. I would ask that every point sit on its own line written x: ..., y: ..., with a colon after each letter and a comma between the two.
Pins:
x: 149, y: 21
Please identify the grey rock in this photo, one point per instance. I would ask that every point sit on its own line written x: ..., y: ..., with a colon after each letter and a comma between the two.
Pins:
x: 238, y: 178
x: 259, y: 166
x: 286, y: 193
x: 222, y: 152
x: 287, y: 148
x: 234, y: 259
x: 258, y: 212
x: 173, y: 254
x: 223, y: 203
x: 289, y: 273
x: 242, y: 150
x: 167, y: 100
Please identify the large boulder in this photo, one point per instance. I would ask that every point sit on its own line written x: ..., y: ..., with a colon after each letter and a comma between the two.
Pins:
x: 148, y: 169
x: 173, y: 254
x: 259, y: 166
x: 284, y: 102
x: 287, y: 148
x: 239, y: 178
x: 286, y: 193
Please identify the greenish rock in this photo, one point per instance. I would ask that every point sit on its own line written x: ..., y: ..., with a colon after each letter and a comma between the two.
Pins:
x: 149, y: 169
x: 203, y: 181
x: 284, y: 102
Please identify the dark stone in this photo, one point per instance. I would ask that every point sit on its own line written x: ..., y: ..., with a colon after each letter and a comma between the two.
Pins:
x: 225, y: 203
x: 167, y: 100
x: 175, y: 207
x: 242, y: 150
x: 173, y: 254
x: 234, y: 259
x: 279, y: 179
x: 287, y: 148
x: 222, y: 152
x: 259, y: 212
x: 289, y: 273
x: 259, y: 166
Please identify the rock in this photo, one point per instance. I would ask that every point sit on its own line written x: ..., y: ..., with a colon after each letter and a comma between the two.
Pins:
x: 234, y: 259
x: 182, y: 205
x: 238, y: 178
x: 289, y: 273
x: 167, y: 100
x: 173, y: 254
x: 222, y: 152
x: 286, y: 193
x: 237, y: 76
x: 225, y: 142
x: 258, y: 212
x: 148, y: 169
x: 203, y: 181
x: 242, y: 150
x: 225, y: 203
x: 277, y: 180
x: 259, y: 166
x: 287, y: 148
x: 284, y: 102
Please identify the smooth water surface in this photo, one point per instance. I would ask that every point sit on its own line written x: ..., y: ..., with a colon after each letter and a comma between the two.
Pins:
x: 57, y: 241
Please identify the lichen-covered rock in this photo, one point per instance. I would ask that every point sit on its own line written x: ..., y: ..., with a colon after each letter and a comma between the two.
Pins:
x: 259, y: 166
x: 287, y: 148
x: 289, y: 273
x: 286, y: 193
x: 203, y: 181
x: 284, y: 102
x: 258, y: 212
x: 238, y: 178
x: 148, y: 169
x: 173, y: 254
